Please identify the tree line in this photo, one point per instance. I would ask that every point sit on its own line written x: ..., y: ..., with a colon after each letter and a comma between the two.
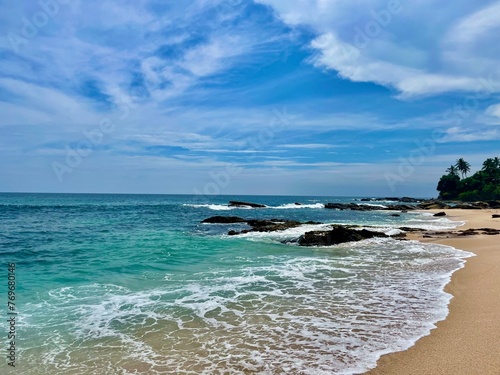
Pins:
x: 482, y: 185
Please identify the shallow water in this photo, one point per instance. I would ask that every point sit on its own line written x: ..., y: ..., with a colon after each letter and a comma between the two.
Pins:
x: 124, y: 284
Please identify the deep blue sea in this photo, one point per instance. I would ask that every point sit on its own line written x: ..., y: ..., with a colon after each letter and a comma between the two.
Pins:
x: 134, y: 284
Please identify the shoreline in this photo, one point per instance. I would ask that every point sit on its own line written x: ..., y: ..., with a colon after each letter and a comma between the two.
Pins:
x: 468, y: 340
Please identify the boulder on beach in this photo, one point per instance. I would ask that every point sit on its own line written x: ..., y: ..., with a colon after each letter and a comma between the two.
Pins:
x: 442, y: 213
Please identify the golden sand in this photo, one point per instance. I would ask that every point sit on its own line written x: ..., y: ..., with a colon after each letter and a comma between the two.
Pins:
x: 468, y: 340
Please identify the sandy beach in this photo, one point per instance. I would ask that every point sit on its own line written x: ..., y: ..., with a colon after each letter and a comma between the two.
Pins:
x: 468, y: 341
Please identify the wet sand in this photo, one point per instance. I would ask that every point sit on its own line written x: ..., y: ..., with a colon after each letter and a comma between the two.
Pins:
x: 468, y: 340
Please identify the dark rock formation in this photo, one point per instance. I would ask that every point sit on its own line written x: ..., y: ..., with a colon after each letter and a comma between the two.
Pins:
x: 489, y: 231
x: 494, y: 204
x: 437, y: 204
x: 224, y: 220
x: 465, y: 206
x: 432, y: 204
x: 394, y: 199
x: 409, y: 229
x: 272, y: 225
x: 442, y: 213
x: 258, y: 225
x: 245, y: 204
x: 338, y: 234
x: 366, y: 207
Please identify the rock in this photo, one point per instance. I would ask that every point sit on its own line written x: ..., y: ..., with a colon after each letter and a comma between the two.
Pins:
x: 394, y: 199
x: 492, y: 231
x: 432, y: 204
x: 335, y: 206
x: 408, y: 229
x: 495, y: 216
x: 467, y: 232
x: 442, y: 213
x: 494, y: 204
x: 338, y: 234
x: 464, y: 206
x: 258, y: 225
x: 245, y: 204
x: 366, y: 207
x: 410, y: 200
x: 272, y: 225
x: 224, y: 220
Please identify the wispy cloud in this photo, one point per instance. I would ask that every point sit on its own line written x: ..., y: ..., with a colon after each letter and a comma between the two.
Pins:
x: 400, y: 44
x: 469, y: 135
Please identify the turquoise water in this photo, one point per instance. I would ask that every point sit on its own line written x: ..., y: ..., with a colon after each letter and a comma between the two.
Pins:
x: 127, y: 284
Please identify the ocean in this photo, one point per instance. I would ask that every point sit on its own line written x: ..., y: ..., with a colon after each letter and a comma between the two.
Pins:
x: 135, y: 284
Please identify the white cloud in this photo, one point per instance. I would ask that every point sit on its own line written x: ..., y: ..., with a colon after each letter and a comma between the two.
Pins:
x: 307, y: 146
x: 477, y: 25
x: 459, y: 134
x: 493, y: 110
x: 418, y: 49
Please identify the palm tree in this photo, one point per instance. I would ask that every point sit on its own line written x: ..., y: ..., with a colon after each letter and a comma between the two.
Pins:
x: 452, y: 171
x: 463, y: 167
x: 496, y: 160
x: 489, y: 165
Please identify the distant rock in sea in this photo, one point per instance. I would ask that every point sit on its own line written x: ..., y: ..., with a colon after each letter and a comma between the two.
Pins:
x: 246, y: 204
x: 394, y: 199
x: 366, y: 207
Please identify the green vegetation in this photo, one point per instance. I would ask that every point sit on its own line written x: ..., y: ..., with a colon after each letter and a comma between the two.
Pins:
x: 482, y: 185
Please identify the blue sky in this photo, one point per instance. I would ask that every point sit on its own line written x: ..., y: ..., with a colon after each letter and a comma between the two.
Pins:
x: 294, y: 97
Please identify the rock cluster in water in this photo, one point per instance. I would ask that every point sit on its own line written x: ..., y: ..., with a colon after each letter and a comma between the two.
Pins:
x: 337, y: 234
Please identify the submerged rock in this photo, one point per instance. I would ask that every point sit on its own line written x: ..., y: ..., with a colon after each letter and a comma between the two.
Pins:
x: 224, y: 220
x: 338, y: 234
